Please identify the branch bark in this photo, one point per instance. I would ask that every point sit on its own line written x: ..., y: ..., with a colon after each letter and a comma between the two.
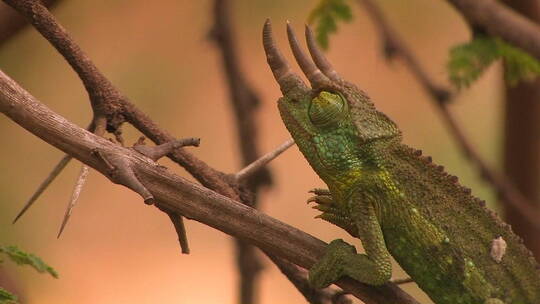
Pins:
x: 177, y: 194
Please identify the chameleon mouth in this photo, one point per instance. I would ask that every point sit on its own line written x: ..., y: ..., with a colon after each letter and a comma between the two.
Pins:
x: 319, y: 72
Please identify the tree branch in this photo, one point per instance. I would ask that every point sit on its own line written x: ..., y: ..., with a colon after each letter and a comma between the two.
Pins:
x: 499, y: 20
x: 178, y: 194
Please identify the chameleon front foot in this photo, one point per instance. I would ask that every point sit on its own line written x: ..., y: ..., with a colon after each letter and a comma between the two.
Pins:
x: 341, y: 259
x: 332, y: 265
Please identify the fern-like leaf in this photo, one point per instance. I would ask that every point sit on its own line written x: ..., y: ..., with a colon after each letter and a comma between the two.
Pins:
x: 518, y: 65
x: 326, y: 15
x: 23, y: 258
x: 7, y: 297
x: 468, y: 61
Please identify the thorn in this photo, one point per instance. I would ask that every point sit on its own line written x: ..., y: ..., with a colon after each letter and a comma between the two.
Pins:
x: 178, y: 222
x: 54, y: 173
x: 120, y: 172
x: 255, y: 166
x: 157, y: 152
x: 81, y: 180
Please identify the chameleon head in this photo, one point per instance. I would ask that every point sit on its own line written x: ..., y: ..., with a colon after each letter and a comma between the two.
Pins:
x: 332, y: 105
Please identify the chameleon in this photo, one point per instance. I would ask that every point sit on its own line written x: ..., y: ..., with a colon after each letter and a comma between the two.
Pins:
x: 395, y: 200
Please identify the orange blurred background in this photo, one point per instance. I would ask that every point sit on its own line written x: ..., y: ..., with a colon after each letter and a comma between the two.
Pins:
x: 118, y: 250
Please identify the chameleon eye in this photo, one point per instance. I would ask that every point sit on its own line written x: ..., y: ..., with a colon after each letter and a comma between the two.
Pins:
x: 326, y: 109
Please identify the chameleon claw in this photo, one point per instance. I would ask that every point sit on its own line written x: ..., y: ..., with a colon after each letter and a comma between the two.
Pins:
x: 322, y: 208
x: 321, y: 200
x: 320, y: 191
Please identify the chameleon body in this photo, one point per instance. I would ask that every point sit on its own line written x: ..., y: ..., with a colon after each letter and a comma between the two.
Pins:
x: 396, y: 201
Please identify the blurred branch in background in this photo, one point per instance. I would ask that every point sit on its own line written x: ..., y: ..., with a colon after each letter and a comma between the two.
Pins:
x: 12, y: 22
x: 394, y: 46
x: 244, y: 102
x: 500, y: 21
x: 522, y: 141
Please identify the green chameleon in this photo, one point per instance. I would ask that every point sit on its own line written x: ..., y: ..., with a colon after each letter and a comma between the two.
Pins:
x: 392, y: 198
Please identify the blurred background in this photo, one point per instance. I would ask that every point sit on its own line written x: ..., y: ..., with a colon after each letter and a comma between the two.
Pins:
x: 115, y: 249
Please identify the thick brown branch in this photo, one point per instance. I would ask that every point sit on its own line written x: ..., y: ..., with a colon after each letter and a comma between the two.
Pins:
x: 501, y: 21
x: 505, y: 189
x: 178, y: 194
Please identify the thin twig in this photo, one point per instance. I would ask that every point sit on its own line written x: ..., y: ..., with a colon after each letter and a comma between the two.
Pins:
x: 178, y: 222
x: 260, y: 163
x: 441, y: 97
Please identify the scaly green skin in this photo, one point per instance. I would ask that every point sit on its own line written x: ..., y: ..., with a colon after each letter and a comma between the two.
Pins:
x: 399, y: 203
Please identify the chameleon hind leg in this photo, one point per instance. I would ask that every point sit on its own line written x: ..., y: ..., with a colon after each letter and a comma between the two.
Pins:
x: 340, y: 259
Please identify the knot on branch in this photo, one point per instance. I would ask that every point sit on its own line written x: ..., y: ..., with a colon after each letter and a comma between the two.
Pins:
x: 157, y: 152
x: 120, y: 171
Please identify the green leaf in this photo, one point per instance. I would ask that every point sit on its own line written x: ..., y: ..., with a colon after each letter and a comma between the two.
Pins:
x: 7, y: 297
x: 326, y: 15
x: 22, y: 258
x: 468, y: 61
x: 518, y: 65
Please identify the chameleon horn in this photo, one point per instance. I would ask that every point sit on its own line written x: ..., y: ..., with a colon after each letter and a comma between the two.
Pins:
x: 283, y: 73
x: 315, y: 76
x: 319, y: 58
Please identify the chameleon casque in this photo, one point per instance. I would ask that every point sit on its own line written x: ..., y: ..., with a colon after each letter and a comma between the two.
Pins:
x: 393, y: 198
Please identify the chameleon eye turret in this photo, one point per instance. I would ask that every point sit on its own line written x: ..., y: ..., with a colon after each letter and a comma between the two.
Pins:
x: 326, y: 109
